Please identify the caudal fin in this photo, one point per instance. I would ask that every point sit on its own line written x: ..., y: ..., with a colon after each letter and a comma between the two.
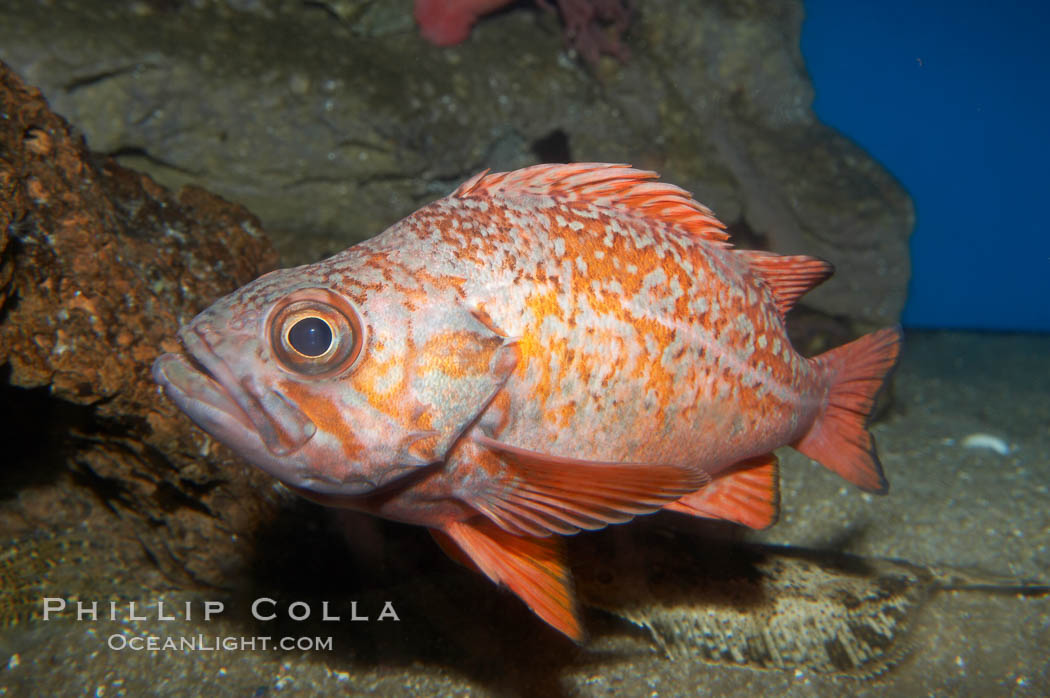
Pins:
x: 839, y: 439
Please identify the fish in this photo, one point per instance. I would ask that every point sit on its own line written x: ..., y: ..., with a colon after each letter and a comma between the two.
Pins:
x: 543, y: 351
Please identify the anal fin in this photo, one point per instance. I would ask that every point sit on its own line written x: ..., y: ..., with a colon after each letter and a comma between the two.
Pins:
x: 747, y: 493
x: 533, y: 568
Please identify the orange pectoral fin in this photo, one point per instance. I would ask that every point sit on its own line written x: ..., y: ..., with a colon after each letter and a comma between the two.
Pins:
x: 543, y: 494
x: 748, y: 493
x: 533, y: 568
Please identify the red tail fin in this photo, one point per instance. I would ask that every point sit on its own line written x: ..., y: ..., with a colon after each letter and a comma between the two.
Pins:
x: 839, y: 439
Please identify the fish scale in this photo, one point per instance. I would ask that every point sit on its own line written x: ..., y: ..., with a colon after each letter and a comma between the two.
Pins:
x: 543, y: 351
x: 569, y: 331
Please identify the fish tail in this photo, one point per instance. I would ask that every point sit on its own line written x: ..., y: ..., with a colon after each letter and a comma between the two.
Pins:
x: 839, y: 439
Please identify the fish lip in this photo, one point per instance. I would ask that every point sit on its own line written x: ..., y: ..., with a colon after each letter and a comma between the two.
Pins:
x: 278, y: 423
x: 201, y: 356
x: 210, y: 393
x: 195, y: 390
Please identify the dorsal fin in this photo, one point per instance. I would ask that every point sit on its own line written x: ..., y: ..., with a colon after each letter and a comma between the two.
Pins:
x: 789, y: 277
x: 604, y: 184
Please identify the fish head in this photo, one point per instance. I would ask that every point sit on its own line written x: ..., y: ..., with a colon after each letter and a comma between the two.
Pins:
x: 335, y: 387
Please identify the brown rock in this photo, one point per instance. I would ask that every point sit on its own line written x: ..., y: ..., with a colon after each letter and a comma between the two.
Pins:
x: 99, y: 266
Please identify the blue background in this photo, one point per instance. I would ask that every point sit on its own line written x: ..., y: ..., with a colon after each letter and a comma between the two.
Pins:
x: 954, y: 99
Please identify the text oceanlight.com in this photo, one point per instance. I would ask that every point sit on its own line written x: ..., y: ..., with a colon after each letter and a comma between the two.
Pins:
x: 211, y: 643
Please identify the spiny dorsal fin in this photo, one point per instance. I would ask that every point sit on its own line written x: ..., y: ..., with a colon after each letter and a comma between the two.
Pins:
x: 789, y: 277
x: 604, y: 184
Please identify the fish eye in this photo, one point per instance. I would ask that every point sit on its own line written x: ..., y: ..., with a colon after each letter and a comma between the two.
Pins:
x: 311, y: 336
x: 313, y: 332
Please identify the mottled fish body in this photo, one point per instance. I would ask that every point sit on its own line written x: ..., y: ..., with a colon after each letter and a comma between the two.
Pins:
x: 543, y: 351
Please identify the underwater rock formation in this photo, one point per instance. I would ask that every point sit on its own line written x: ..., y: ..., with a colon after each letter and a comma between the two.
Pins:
x: 99, y: 265
x: 331, y: 120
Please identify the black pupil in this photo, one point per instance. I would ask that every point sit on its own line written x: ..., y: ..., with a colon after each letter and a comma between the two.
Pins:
x: 310, y: 336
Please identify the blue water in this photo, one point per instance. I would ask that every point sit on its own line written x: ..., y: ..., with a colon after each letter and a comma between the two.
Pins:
x: 953, y: 98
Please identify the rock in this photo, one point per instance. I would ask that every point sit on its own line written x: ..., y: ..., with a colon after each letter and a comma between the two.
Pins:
x: 331, y: 120
x: 99, y: 266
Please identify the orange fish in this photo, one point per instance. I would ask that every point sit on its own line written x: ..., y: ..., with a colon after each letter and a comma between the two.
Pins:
x: 542, y: 351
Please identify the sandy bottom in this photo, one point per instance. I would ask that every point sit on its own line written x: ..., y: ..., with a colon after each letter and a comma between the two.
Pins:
x: 978, y: 504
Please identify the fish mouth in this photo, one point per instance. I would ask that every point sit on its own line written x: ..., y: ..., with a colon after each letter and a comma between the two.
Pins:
x: 237, y: 412
x: 258, y: 423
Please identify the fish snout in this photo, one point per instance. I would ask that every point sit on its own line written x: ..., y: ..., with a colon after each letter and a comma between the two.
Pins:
x: 276, y: 420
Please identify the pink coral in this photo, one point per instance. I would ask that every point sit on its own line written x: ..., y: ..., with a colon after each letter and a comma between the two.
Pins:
x: 592, y: 27
x: 448, y: 22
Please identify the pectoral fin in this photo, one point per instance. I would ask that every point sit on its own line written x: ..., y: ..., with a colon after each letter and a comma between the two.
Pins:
x: 533, y: 568
x: 748, y: 493
x: 539, y: 494
x: 455, y: 375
